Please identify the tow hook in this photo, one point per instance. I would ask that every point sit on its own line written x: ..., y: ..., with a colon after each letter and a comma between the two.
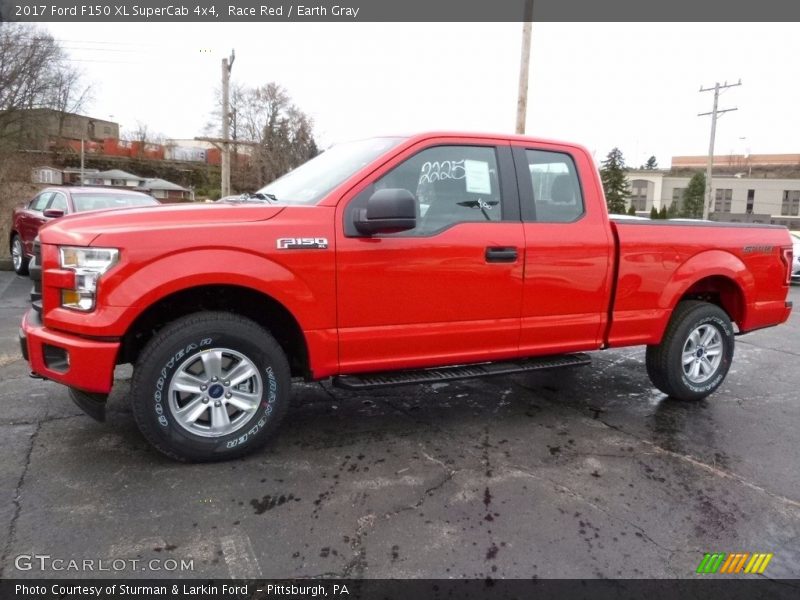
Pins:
x: 93, y: 405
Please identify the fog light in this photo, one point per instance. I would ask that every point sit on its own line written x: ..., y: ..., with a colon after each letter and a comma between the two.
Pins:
x: 55, y: 358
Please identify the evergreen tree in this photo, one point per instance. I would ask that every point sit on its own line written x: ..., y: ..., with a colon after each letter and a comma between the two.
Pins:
x: 662, y: 214
x: 674, y: 210
x: 632, y: 210
x: 615, y: 185
x: 650, y: 165
x: 694, y: 196
x: 653, y: 213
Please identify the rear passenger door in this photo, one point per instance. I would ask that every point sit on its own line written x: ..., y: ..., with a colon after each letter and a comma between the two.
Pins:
x: 568, y: 250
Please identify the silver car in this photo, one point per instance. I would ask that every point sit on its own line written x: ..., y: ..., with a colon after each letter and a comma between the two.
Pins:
x: 796, y: 255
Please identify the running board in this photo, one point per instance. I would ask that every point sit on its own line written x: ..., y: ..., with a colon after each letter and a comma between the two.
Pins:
x: 375, y: 380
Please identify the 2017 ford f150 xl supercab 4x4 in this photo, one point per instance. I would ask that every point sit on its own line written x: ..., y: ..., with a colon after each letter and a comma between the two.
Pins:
x: 385, y: 261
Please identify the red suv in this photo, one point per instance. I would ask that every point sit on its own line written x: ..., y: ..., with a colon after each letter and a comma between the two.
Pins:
x: 55, y: 202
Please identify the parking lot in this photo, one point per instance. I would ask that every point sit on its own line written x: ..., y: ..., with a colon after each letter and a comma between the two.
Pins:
x: 576, y: 473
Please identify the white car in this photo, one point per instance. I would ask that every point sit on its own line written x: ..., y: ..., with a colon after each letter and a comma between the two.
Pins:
x: 796, y: 255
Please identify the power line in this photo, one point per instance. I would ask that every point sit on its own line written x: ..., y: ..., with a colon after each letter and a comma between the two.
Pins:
x: 74, y: 41
x: 86, y: 48
x: 113, y: 62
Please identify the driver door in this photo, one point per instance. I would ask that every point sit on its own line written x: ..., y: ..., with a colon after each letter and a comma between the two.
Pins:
x: 447, y: 291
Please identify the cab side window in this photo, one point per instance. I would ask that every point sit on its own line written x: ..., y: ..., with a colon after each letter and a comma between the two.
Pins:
x: 452, y: 184
x: 556, y: 188
x: 40, y: 202
x: 59, y: 202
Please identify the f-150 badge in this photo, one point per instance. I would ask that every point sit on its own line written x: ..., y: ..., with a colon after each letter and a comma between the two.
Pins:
x: 305, y: 243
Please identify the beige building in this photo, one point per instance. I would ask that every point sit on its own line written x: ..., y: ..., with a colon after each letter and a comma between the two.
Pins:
x: 41, y: 126
x: 736, y: 198
x: 738, y: 161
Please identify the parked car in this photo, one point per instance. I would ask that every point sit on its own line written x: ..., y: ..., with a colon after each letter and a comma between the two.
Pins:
x: 796, y: 254
x: 54, y: 202
x: 382, y: 262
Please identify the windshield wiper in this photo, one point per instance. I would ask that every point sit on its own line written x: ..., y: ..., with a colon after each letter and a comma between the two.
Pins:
x: 262, y: 196
x: 250, y: 197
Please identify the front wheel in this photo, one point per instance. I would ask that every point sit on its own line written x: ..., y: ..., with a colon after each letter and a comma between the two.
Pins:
x: 18, y: 258
x: 695, y: 353
x: 210, y: 386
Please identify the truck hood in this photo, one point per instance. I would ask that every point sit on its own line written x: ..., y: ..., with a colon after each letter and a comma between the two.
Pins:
x: 81, y: 229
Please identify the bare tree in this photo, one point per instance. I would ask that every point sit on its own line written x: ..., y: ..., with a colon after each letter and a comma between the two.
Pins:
x: 143, y: 135
x: 283, y: 133
x: 68, y: 95
x: 34, y: 73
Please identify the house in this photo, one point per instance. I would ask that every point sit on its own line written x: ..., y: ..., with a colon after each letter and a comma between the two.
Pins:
x: 48, y: 175
x: 163, y: 190
x: 72, y: 175
x: 113, y: 178
x: 166, y: 191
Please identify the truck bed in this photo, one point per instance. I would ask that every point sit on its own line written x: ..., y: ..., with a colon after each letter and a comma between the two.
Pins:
x: 657, y: 260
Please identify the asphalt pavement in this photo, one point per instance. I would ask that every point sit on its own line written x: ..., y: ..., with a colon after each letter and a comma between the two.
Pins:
x: 587, y: 472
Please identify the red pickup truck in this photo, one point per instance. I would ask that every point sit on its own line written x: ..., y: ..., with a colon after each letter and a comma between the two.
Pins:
x: 386, y: 261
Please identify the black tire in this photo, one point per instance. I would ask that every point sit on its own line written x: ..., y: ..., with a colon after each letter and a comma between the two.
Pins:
x: 20, y: 268
x: 178, y: 348
x: 665, y: 361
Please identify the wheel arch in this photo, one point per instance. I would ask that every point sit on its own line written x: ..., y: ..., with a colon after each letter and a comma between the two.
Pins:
x: 714, y: 276
x: 722, y: 291
x: 237, y: 299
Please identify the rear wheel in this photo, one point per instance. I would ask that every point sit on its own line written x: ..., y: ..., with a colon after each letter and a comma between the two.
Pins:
x: 695, y: 353
x: 18, y: 258
x: 210, y: 386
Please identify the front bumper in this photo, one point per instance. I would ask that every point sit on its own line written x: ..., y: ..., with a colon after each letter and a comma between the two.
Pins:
x: 77, y: 362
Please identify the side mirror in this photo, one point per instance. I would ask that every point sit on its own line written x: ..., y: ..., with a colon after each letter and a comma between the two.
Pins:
x: 53, y: 213
x: 388, y: 211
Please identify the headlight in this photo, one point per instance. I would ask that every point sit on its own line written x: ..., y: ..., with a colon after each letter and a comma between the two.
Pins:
x: 89, y: 265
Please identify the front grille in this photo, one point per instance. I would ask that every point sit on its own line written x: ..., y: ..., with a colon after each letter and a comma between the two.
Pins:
x: 35, y: 272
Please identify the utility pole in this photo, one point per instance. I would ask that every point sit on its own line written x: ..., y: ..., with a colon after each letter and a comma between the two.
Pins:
x: 715, y: 112
x: 225, y: 183
x: 524, y: 65
x: 235, y: 147
x: 82, y: 152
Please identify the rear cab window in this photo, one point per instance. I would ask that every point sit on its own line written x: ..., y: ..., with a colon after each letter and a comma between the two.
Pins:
x: 555, y: 194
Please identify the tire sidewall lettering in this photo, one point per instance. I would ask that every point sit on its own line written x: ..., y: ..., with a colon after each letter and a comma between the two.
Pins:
x: 270, y: 398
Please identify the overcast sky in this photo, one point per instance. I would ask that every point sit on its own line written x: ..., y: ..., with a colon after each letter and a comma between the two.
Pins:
x: 632, y: 85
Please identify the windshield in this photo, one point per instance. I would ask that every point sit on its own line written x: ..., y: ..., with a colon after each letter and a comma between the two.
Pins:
x: 96, y: 200
x: 309, y: 182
